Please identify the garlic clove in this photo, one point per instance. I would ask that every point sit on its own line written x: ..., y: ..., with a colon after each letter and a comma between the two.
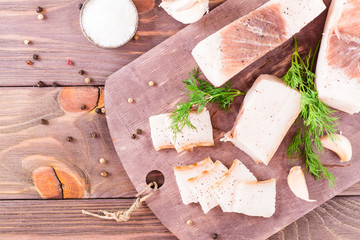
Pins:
x: 176, y: 5
x: 297, y: 183
x: 186, y: 12
x: 341, y: 146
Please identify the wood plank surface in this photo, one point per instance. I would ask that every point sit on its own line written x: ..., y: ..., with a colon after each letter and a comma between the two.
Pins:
x: 58, y: 38
x: 36, y: 159
x: 51, y: 219
x: 176, y: 61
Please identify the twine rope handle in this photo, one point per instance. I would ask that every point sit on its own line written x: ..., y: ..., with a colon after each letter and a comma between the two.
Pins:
x: 124, y: 215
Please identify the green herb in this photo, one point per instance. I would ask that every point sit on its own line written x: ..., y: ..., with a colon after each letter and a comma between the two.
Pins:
x: 315, y: 116
x: 200, y: 93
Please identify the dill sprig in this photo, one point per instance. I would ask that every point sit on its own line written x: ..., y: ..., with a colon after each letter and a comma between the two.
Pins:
x: 200, y: 93
x: 315, y: 116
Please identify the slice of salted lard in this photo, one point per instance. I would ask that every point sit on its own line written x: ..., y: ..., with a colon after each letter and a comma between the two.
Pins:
x: 160, y: 133
x: 163, y: 137
x: 200, y: 185
x: 228, y: 51
x: 338, y: 65
x: 200, y: 136
x: 267, y: 112
x: 224, y: 190
x: 182, y: 174
x: 255, y: 198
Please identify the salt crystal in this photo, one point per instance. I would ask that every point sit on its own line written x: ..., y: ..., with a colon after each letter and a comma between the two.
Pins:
x: 109, y: 23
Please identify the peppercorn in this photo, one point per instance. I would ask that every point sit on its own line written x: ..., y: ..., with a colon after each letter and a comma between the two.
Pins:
x: 26, y: 42
x: 94, y: 135
x: 130, y: 100
x: 87, y: 80
x: 69, y: 62
x: 82, y: 106
x: 41, y: 16
x: 69, y: 139
x: 151, y: 83
x: 214, y: 236
x: 55, y: 84
x: 189, y: 222
x: 81, y: 72
x: 133, y: 136
x: 28, y: 62
x: 80, y: 6
x: 41, y: 84
x: 35, y: 57
x: 102, y: 160
x: 98, y: 110
x: 103, y: 110
x: 101, y: 213
x: 103, y: 173
x: 39, y: 9
x: 138, y: 131
x: 43, y: 122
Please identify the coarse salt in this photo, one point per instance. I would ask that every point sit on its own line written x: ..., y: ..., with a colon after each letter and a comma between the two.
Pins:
x: 109, y: 23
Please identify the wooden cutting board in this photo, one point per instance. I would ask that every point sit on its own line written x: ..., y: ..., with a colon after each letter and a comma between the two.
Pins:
x: 167, y: 65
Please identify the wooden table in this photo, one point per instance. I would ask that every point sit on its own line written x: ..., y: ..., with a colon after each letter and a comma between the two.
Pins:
x: 46, y: 180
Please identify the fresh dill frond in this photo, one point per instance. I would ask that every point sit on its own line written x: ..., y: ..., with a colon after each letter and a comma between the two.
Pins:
x: 315, y: 116
x: 200, y: 93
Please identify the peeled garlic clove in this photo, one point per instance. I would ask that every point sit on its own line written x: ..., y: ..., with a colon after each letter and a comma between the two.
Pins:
x: 186, y: 11
x: 297, y: 183
x: 341, y: 146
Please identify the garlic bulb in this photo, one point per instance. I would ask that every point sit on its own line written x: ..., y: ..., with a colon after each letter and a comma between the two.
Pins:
x: 186, y: 11
x: 297, y: 183
x: 341, y: 146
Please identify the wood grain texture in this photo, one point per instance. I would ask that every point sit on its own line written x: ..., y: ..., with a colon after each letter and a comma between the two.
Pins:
x: 58, y: 38
x: 37, y: 160
x: 51, y: 219
x: 176, y: 61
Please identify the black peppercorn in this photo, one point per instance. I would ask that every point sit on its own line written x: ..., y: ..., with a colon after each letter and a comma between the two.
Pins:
x: 80, y: 6
x: 82, y: 106
x: 138, y: 131
x: 39, y: 9
x: 69, y: 139
x: 43, y: 121
x: 94, y: 135
x: 55, y: 84
x: 98, y: 110
x: 133, y: 136
x: 101, y: 213
x: 81, y: 72
x: 35, y: 57
x: 214, y: 236
x: 41, y: 84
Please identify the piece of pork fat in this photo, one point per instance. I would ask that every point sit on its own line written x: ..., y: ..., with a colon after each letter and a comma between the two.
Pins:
x: 338, y: 65
x: 160, y: 133
x: 255, y: 198
x: 163, y: 137
x: 228, y: 51
x: 200, y: 136
x: 182, y: 174
x: 267, y: 112
x: 224, y: 190
x: 200, y: 185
